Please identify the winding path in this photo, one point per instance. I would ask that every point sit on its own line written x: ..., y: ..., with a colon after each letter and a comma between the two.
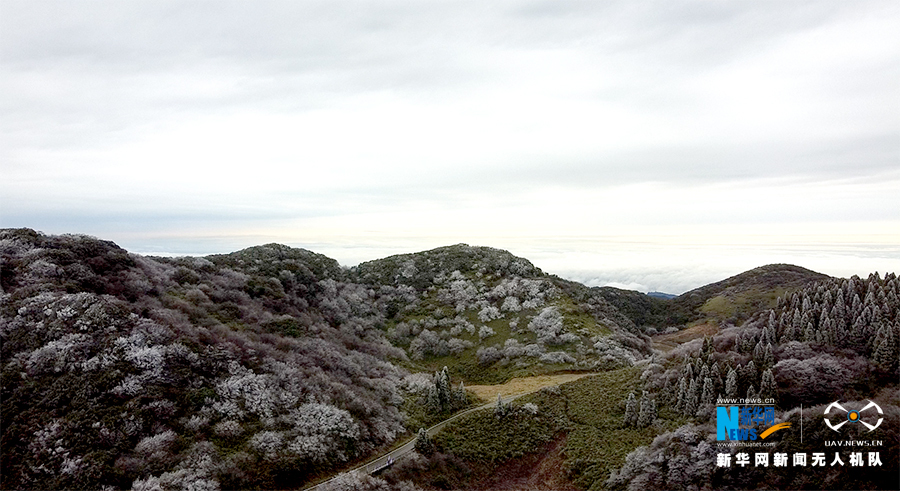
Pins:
x: 381, y: 461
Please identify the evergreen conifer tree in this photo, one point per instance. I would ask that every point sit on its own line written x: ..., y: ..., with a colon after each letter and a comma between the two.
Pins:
x: 442, y: 382
x: 750, y: 372
x: 708, y: 396
x: 423, y: 444
x: 771, y: 327
x: 692, y: 401
x: 824, y: 316
x: 647, y: 413
x: 716, y: 374
x: 631, y: 411
x: 665, y: 394
x: 731, y: 384
x: 459, y: 395
x: 682, y: 394
x: 885, y: 355
x: 768, y: 357
x: 768, y: 388
x: 747, y: 344
x: 856, y: 306
x: 501, y: 409
x: 809, y: 334
x: 758, y: 351
x: 433, y: 400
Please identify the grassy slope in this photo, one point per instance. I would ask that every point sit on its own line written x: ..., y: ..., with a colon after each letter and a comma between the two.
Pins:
x: 589, y: 410
x: 735, y: 298
x: 522, y: 385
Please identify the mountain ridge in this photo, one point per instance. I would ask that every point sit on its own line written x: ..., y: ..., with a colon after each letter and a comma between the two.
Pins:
x: 237, y: 358
x: 419, y: 269
x: 735, y: 298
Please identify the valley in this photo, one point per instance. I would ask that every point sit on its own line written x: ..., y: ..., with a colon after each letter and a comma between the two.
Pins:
x: 276, y: 368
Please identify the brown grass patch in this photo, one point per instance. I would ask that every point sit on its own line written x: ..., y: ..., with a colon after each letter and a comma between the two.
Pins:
x: 666, y: 342
x: 522, y: 385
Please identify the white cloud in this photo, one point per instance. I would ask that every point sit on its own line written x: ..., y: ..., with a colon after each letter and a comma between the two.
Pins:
x: 348, y: 125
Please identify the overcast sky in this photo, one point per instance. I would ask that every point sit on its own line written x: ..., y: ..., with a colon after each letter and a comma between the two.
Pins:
x: 656, y: 145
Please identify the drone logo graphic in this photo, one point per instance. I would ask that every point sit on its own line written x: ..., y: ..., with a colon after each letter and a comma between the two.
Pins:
x: 853, y: 416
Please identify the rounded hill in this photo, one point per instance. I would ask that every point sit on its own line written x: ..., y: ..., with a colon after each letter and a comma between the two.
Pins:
x: 736, y: 297
x: 421, y: 268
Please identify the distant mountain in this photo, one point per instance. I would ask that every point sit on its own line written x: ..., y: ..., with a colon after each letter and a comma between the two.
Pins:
x: 731, y: 300
x: 272, y: 259
x: 664, y: 296
x: 735, y: 298
x: 644, y: 310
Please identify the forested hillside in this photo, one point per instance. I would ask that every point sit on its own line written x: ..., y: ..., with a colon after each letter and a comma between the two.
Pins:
x: 653, y: 425
x: 489, y: 315
x: 264, y: 368
x: 238, y: 371
x: 833, y: 340
x: 274, y: 367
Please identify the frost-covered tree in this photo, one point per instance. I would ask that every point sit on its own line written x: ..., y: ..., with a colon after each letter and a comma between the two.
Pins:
x: 731, y: 384
x: 359, y: 481
x: 631, y: 411
x: 501, y: 408
x: 768, y: 360
x: 428, y: 343
x: 485, y: 332
x: 682, y: 396
x: 758, y: 352
x: 424, y: 445
x: 748, y: 374
x: 489, y: 313
x: 548, y: 326
x: 489, y: 355
x: 708, y: 395
x: 440, y: 396
x: 692, y: 401
x: 768, y: 388
x: 611, y: 354
x: 459, y: 395
x: 647, y: 412
x: 884, y: 350
x: 511, y: 304
x: 557, y: 357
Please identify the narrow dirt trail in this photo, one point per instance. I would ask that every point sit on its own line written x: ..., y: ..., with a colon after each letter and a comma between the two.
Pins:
x: 516, y: 388
x: 523, y: 385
